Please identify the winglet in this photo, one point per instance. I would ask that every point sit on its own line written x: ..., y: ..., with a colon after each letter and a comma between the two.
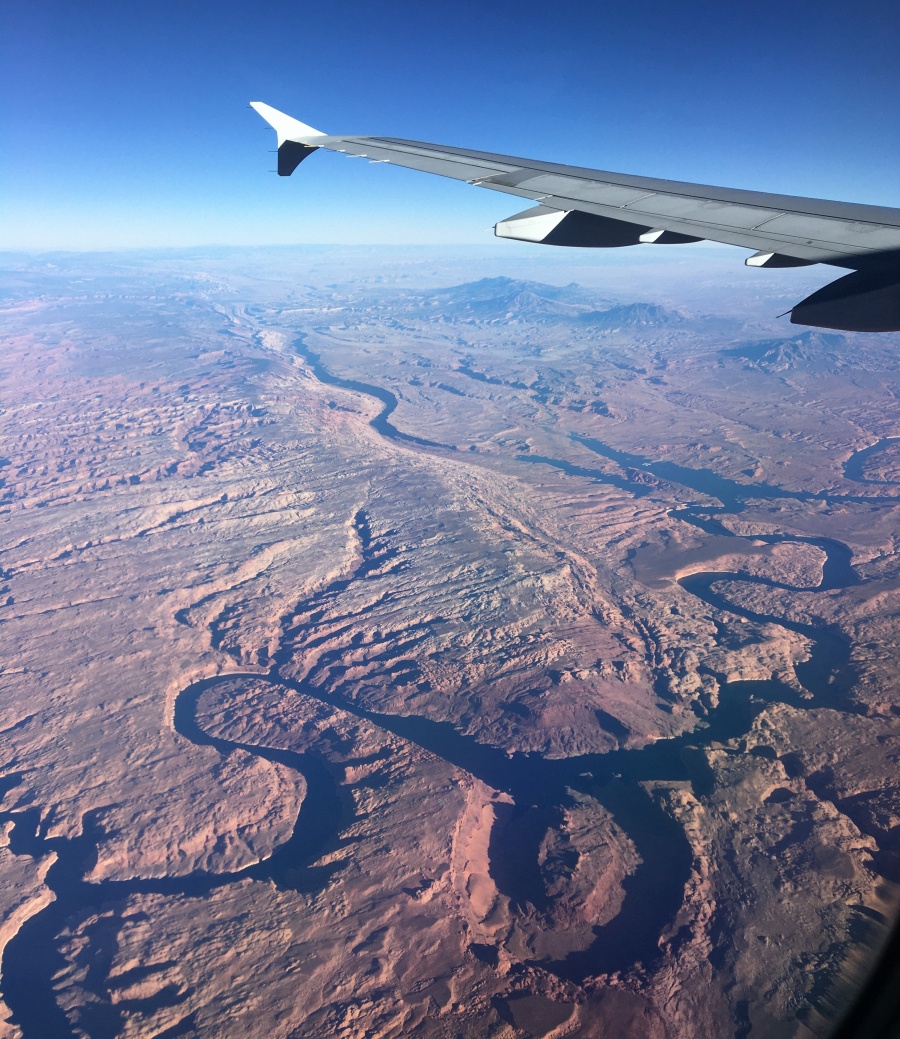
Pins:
x: 295, y: 139
x: 287, y: 128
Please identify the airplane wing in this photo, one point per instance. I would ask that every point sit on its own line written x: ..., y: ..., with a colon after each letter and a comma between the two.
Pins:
x: 593, y: 208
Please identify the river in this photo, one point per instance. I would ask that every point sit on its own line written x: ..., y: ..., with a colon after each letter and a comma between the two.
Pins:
x: 540, y: 787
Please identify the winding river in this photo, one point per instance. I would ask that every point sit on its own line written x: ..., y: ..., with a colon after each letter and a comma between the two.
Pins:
x: 540, y: 787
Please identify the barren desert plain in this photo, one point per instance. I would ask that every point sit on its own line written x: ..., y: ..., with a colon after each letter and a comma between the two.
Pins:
x: 453, y: 645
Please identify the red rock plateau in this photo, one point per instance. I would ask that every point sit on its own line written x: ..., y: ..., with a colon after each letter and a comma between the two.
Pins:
x: 386, y: 659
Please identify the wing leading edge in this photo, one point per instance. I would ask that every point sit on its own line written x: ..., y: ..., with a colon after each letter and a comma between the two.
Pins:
x: 597, y: 209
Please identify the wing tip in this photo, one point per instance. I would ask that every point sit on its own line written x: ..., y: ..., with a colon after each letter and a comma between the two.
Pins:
x: 286, y: 126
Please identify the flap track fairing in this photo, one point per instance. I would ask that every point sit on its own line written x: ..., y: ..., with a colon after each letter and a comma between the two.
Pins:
x: 582, y: 230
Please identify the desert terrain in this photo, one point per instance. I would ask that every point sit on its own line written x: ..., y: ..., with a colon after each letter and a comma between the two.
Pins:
x: 395, y: 648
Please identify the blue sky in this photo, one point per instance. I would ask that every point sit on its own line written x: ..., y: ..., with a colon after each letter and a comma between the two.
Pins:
x: 126, y: 124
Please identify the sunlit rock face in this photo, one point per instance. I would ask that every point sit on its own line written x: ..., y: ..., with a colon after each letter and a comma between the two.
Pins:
x: 396, y: 649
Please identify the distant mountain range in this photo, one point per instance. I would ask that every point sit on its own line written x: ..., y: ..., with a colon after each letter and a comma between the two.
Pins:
x: 632, y: 315
x: 820, y: 351
x: 510, y: 299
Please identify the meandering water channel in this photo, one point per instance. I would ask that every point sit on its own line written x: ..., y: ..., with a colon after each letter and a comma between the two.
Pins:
x: 540, y: 787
